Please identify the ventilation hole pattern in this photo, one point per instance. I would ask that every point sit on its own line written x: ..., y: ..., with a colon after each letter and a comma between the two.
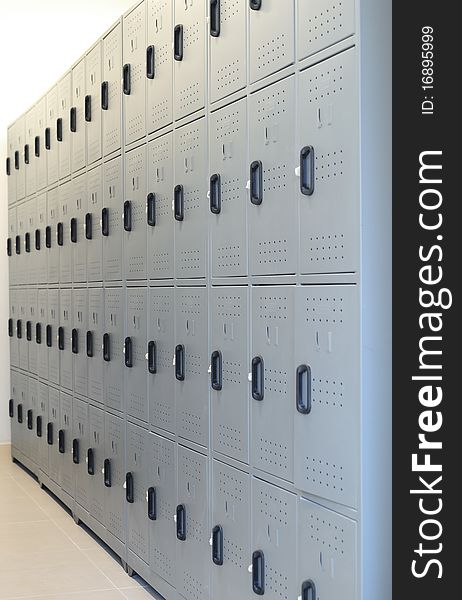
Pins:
x: 229, y: 306
x: 277, y: 583
x: 275, y: 178
x: 272, y: 51
x: 229, y: 256
x: 272, y: 105
x: 329, y: 165
x: 325, y: 84
x: 273, y: 307
x: 325, y: 23
x: 272, y: 252
x: 135, y: 125
x: 325, y: 532
x: 233, y: 372
x: 193, y: 364
x: 325, y: 248
x: 190, y: 140
x: 162, y: 563
x: 190, y: 261
x: 229, y: 438
x: 228, y: 123
x: 327, y: 311
x: 191, y: 424
x: 189, y: 96
x: 192, y: 200
x: 274, y: 507
x: 231, y: 190
x: 234, y: 553
x: 327, y: 392
x: 229, y: 75
x: 160, y: 113
x: 231, y: 486
x: 191, y: 304
x: 323, y: 474
x: 161, y: 303
x: 163, y: 414
x: 273, y: 454
x: 276, y: 381
x: 136, y: 264
x: 192, y: 587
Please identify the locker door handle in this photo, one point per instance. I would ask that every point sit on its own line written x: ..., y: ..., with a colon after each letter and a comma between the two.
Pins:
x: 75, y: 341
x: 151, y: 209
x: 127, y: 215
x: 152, y: 505
x: 255, y: 4
x: 88, y: 108
x: 37, y: 146
x: 105, y: 222
x: 150, y: 62
x: 90, y: 461
x: 307, y: 170
x: 73, y: 119
x: 61, y: 338
x: 308, y: 590
x: 75, y: 451
x: 38, y: 426
x: 48, y: 236
x: 215, y: 194
x: 217, y: 545
x: 127, y: 88
x: 30, y: 420
x: 179, y: 362
x: 19, y: 413
x: 258, y: 378
x: 89, y: 344
x: 128, y: 352
x: 26, y: 154
x: 258, y: 572
x: 179, y: 202
x: 37, y: 239
x: 152, y: 358
x: 38, y: 333
x: 214, y: 18
x: 50, y: 434
x: 60, y: 234
x: 105, y: 95
x: 74, y: 230
x: 256, y: 182
x: 16, y: 160
x: 9, y: 251
x: 107, y: 473
x: 48, y: 138
x: 8, y: 166
x: 49, y: 336
x: 19, y: 329
x: 61, y: 444
x: 129, y: 488
x: 10, y: 327
x: 27, y: 242
x: 178, y: 43
x: 216, y: 371
x: 106, y: 348
x: 59, y: 129
x: 181, y: 522
x: 11, y: 408
x: 18, y: 244
x: 28, y: 331
x: 304, y: 389
x: 88, y: 226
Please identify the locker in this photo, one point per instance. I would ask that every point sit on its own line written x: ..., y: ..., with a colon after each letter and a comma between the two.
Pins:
x: 13, y: 328
x: 326, y: 538
x: 53, y: 426
x: 192, y: 526
x: 94, y: 464
x: 21, y: 327
x: 80, y: 446
x: 134, y: 73
x: 159, y: 64
x: 63, y: 131
x: 94, y: 344
x: 136, y: 491
x: 39, y: 143
x: 329, y: 131
x: 111, y: 91
x: 77, y: 118
x: 66, y: 471
x: 44, y: 334
x: 51, y: 336
x: 228, y: 377
x: 135, y: 353
x: 63, y: 233
x: 40, y: 239
x: 161, y: 339
x: 30, y: 245
x: 50, y: 136
x: 191, y: 365
x: 81, y: 226
x: 111, y: 220
x: 190, y: 48
x: 93, y: 228
x: 29, y: 154
x: 228, y: 194
x: 21, y: 413
x: 162, y: 493
x: 274, y: 514
x: 10, y: 170
x: 272, y: 387
x: 93, y: 72
x: 189, y: 199
x: 113, y: 344
x: 228, y: 47
x: 114, y: 495
x: 230, y: 533
x: 272, y: 39
x: 13, y: 245
x: 273, y: 223
x: 81, y: 343
x: 51, y: 236
x: 41, y: 426
x: 31, y: 329
x: 14, y: 410
x: 134, y: 214
x: 31, y: 446
x: 20, y: 131
x: 20, y: 244
x: 65, y: 338
x: 159, y: 205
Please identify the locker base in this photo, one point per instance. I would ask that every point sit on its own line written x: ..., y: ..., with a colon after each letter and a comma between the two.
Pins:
x: 160, y: 585
x: 18, y: 456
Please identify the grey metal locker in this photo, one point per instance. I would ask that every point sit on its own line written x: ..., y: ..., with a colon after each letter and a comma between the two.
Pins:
x: 13, y: 242
x: 112, y: 226
x: 63, y: 131
x: 93, y: 72
x: 29, y: 152
x: 159, y: 67
x: 273, y: 209
x: 44, y: 334
x: 16, y: 412
x: 51, y: 336
x: 136, y: 490
x: 135, y: 354
x: 51, y: 236
x: 31, y: 329
x: 329, y: 166
x: 20, y: 131
x: 66, y: 471
x: 94, y: 463
x: 191, y: 364
x: 53, y: 426
x: 112, y: 91
x: 327, y: 551
x: 162, y: 494
x: 134, y: 73
x: 40, y: 239
x: 13, y: 328
x: 65, y: 338
x: 113, y: 344
x: 80, y: 446
x: 21, y: 416
x: 192, y: 526
x: 231, y: 527
x: 190, y: 54
x: 63, y: 232
x: 50, y: 137
x: 274, y: 530
x: 228, y: 47
x: 11, y: 143
x: 95, y: 340
x: 77, y: 118
x: 32, y: 444
x: 20, y: 259
x: 21, y: 327
x: 273, y: 381
x: 81, y: 343
x: 134, y: 214
x: 272, y: 38
x: 190, y: 199
x: 229, y: 311
x: 114, y: 495
x: 41, y: 423
x: 161, y: 387
x: 228, y: 193
x: 160, y: 218
x: 81, y: 226
x: 39, y: 143
x: 93, y: 234
x: 32, y: 254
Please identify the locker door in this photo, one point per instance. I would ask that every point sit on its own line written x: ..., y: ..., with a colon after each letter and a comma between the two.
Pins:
x: 93, y: 231
x: 229, y: 383
x: 21, y: 417
x: 228, y: 193
x: 80, y: 345
x: 190, y: 56
x: 134, y: 73
x: 134, y: 212
x: 52, y: 336
x: 63, y: 233
x: 13, y: 328
x: 112, y: 67
x: 63, y: 125
x: 93, y: 349
x: 161, y: 337
x: 93, y: 103
x: 21, y: 333
x: 30, y: 414
x: 12, y: 232
x: 114, y: 496
x: 136, y: 490
x: 191, y: 364
x: 30, y: 243
x: 230, y: 533
x: 272, y: 38
x: 111, y: 221
x: 327, y: 368
x: 41, y: 426
x: 94, y: 463
x: 53, y: 425
x: 228, y: 47
x: 272, y: 385
x: 113, y: 358
x: 193, y: 532
x: 274, y: 522
x: 40, y: 239
x: 31, y: 329
x: 39, y: 143
x: 273, y: 213
x: 80, y: 445
x: 190, y: 198
x: 29, y: 154
x: 162, y: 495
x: 11, y: 157
x: 15, y: 396
x: 135, y: 375
x: 77, y: 118
x: 66, y: 472
x: 65, y: 338
x: 159, y: 60
x: 79, y: 226
x: 42, y: 348
x: 50, y: 137
x: 20, y: 261
x: 161, y: 223
x: 326, y: 538
x: 51, y: 238
x: 329, y: 133
x: 20, y: 129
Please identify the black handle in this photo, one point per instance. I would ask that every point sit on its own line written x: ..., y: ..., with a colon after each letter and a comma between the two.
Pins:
x: 26, y: 154
x: 181, y: 522
x: 89, y: 344
x: 151, y: 209
x: 215, y: 194
x: 88, y: 108
x: 30, y: 420
x: 179, y: 202
x: 127, y: 215
x: 10, y: 327
x: 258, y: 378
x: 308, y: 590
x: 106, y: 348
x: 59, y: 129
x: 303, y: 392
x: 61, y: 338
x: 150, y: 62
x: 73, y: 119
x: 152, y: 504
x: 38, y: 426
x: 47, y: 138
x: 9, y: 247
x: 258, y: 572
x: 19, y: 329
x: 90, y: 461
x: 38, y: 333
x: 216, y: 371
x: 16, y: 160
x: 107, y: 473
x: 105, y: 95
x: 75, y: 341
x: 75, y: 451
x: 74, y: 230
x: 217, y: 545
x: 127, y: 88
x: 214, y: 18
x: 49, y: 336
x: 19, y: 415
x: 28, y: 331
x: 178, y: 43
x: 50, y: 434
x: 129, y: 488
x: 128, y: 352
x: 37, y: 146
x: 60, y: 234
x: 255, y: 4
x: 88, y: 226
x: 8, y: 166
x: 11, y: 408
x: 27, y: 242
x: 179, y: 362
x: 105, y: 222
x: 61, y: 444
x: 307, y: 171
x: 256, y: 182
x: 37, y: 239
x: 17, y: 244
x: 152, y: 358
x: 48, y: 236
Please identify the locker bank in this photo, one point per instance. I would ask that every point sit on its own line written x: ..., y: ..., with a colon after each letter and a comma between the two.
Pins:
x: 199, y: 251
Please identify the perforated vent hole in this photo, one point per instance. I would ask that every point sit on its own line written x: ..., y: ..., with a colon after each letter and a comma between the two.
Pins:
x: 325, y: 23
x: 325, y: 84
x: 329, y: 165
x: 326, y: 533
x: 324, y: 310
x: 325, y: 474
x: 272, y: 51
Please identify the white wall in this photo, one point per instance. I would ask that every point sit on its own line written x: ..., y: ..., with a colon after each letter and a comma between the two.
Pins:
x: 39, y: 40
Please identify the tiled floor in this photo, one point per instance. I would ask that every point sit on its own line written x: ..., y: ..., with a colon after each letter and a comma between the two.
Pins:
x: 44, y: 555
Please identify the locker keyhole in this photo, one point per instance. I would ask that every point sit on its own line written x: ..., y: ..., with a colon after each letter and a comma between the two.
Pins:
x: 268, y: 532
x: 158, y: 323
x: 268, y: 335
x: 92, y: 78
x: 158, y: 471
x: 136, y: 457
x: 112, y: 445
x: 109, y: 63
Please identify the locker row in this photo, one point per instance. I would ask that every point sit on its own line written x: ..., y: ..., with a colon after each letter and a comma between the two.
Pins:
x: 205, y: 528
